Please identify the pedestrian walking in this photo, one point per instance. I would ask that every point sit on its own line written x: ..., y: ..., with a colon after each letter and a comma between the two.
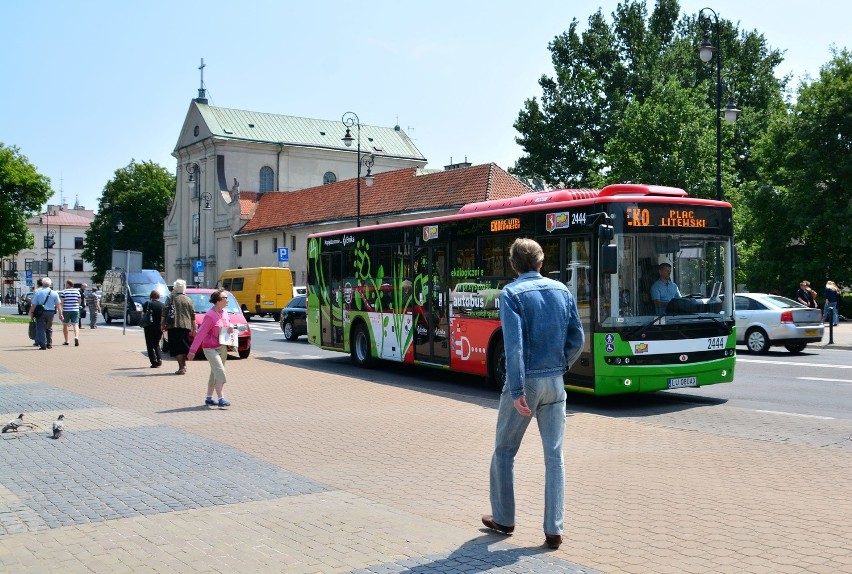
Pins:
x: 48, y: 301
x: 70, y: 297
x: 93, y: 302
x: 209, y: 339
x: 832, y: 299
x: 542, y: 336
x: 153, y: 307
x: 179, y: 320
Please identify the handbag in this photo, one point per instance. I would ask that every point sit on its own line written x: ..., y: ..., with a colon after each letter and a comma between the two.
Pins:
x: 165, y: 345
x: 147, y: 318
x: 38, y: 310
x: 32, y: 330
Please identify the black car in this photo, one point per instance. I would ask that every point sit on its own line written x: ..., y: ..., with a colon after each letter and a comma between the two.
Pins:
x: 24, y: 303
x: 294, y: 318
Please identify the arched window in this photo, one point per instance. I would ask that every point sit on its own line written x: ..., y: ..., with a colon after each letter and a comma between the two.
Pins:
x: 328, y: 177
x: 267, y: 179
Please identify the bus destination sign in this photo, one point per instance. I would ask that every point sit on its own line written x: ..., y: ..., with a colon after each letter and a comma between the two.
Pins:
x: 664, y: 217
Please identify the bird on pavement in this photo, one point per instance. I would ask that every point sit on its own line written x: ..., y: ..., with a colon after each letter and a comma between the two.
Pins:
x: 59, y: 426
x: 14, y: 424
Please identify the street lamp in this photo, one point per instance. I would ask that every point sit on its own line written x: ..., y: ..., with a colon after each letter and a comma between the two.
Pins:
x: 705, y: 52
x: 350, y: 119
x: 195, y: 184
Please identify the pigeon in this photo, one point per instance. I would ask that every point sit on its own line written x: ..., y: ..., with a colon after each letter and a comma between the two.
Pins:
x: 59, y: 426
x: 14, y: 424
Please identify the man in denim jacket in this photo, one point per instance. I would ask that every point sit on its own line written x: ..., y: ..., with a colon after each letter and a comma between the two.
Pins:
x: 543, y: 336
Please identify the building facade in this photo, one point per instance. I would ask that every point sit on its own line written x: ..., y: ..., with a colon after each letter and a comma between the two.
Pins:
x: 228, y: 159
x: 58, y: 239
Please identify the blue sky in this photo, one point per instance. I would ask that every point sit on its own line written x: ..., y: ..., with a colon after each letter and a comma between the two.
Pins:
x: 88, y: 86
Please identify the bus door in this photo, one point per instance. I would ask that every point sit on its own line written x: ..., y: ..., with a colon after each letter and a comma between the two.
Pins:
x: 567, y: 260
x: 331, y: 302
x: 431, y: 317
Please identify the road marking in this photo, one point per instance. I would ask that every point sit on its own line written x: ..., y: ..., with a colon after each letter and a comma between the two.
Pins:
x: 796, y: 415
x: 792, y: 363
x: 828, y: 380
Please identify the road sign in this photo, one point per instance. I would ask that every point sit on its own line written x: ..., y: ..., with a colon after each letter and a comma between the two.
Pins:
x: 198, y: 265
x: 283, y: 254
x: 29, y: 275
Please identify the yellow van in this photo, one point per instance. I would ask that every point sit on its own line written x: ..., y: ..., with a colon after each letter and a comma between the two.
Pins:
x: 259, y: 290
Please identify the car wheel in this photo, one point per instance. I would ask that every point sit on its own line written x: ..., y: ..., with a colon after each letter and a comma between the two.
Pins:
x: 497, y: 365
x: 289, y: 332
x: 128, y: 319
x: 245, y: 354
x: 277, y: 317
x: 757, y: 341
x: 20, y: 311
x: 796, y: 347
x: 107, y: 318
x: 360, y: 346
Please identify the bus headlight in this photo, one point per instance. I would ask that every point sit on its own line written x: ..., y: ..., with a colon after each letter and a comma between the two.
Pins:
x: 627, y: 382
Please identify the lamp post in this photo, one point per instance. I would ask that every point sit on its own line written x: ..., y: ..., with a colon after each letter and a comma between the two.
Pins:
x: 705, y: 52
x: 350, y: 119
x: 195, y: 184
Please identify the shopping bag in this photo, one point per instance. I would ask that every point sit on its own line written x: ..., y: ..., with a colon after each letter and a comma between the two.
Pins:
x: 32, y: 330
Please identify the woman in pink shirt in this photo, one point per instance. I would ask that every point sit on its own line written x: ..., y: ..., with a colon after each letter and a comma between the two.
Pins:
x: 216, y: 353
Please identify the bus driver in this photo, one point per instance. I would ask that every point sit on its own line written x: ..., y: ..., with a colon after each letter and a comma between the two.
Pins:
x: 664, y: 289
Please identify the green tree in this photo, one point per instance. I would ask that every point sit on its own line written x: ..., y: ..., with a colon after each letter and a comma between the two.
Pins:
x: 608, y: 82
x: 137, y: 201
x: 798, y: 215
x: 22, y: 193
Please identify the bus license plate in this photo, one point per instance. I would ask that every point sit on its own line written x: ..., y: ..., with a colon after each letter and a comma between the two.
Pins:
x: 683, y: 382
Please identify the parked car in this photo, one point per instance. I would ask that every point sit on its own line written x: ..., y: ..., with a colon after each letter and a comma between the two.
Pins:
x: 24, y: 303
x: 201, y: 303
x: 765, y: 320
x: 294, y: 318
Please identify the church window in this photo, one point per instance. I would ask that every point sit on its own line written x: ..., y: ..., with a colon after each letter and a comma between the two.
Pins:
x: 329, y: 177
x: 267, y: 179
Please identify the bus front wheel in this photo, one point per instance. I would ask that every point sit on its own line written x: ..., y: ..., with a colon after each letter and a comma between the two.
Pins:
x: 497, y: 365
x: 360, y: 342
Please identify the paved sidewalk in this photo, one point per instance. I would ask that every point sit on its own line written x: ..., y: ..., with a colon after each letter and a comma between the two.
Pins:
x: 321, y: 467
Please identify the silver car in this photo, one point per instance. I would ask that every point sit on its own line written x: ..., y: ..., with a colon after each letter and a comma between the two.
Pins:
x: 766, y: 320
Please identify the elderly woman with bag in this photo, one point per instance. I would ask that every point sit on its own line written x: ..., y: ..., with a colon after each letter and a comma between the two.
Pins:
x: 179, y: 320
x: 214, y: 337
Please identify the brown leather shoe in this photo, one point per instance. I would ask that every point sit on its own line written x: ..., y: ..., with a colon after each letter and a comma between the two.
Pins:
x: 553, y: 541
x: 488, y: 521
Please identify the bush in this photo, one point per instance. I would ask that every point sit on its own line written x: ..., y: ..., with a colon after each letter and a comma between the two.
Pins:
x: 844, y: 307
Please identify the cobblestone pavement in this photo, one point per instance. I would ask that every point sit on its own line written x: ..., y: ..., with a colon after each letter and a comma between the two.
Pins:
x: 321, y: 467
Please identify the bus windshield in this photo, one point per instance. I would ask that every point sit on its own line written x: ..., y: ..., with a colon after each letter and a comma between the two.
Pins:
x: 698, y: 265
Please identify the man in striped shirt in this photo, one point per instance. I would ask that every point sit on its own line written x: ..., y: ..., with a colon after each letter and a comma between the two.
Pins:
x: 70, y: 297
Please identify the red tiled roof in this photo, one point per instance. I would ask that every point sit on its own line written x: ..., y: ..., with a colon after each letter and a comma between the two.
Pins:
x: 248, y: 203
x: 60, y: 217
x: 392, y: 192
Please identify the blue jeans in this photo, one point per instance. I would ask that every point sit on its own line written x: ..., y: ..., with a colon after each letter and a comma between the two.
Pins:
x: 546, y: 398
x: 830, y: 309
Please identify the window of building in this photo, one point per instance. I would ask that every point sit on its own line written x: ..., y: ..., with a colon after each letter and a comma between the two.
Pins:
x: 293, y: 242
x: 239, y: 248
x: 255, y: 246
x: 328, y: 177
x: 78, y: 265
x: 78, y: 243
x: 275, y: 245
x: 267, y: 179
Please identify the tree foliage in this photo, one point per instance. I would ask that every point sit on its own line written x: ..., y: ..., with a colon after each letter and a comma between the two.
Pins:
x: 607, y: 114
x: 22, y: 193
x: 136, y: 200
x: 798, y: 210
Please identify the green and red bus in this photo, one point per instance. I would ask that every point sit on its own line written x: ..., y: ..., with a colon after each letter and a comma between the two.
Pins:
x: 427, y: 291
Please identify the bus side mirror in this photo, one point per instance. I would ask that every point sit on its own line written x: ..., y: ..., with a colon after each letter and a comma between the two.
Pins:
x: 609, y: 259
x: 605, y: 233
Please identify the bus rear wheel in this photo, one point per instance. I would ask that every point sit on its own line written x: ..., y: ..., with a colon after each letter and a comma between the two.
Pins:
x: 360, y: 342
x: 497, y: 365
